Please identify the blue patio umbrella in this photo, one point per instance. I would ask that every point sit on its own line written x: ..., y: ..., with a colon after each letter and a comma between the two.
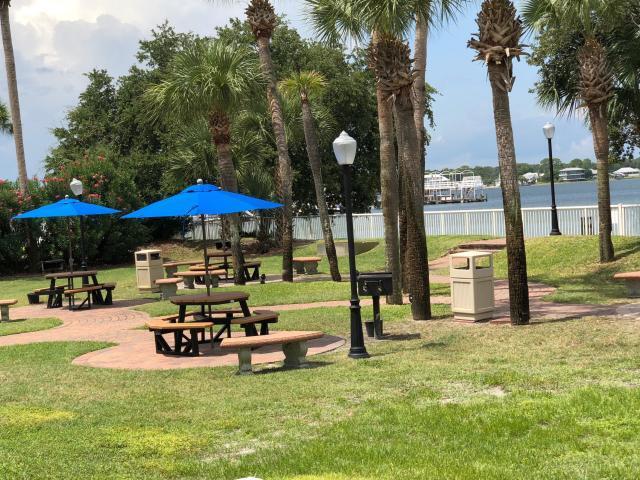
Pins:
x: 67, y: 208
x: 200, y: 200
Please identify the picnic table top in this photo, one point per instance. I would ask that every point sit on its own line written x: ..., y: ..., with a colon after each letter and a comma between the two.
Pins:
x: 181, y: 264
x: 78, y: 274
x: 217, y: 298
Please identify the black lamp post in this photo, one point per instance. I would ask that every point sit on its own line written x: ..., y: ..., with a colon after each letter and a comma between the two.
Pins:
x: 549, y: 130
x: 345, y: 149
x: 77, y: 188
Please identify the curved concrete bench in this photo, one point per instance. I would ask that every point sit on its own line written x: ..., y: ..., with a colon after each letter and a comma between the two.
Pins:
x: 294, y: 346
x: 308, y: 265
x: 168, y: 287
x: 632, y: 280
x: 4, y: 309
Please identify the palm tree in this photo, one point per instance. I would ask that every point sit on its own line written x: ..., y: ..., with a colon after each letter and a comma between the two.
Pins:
x: 589, y: 19
x: 387, y: 21
x: 305, y: 86
x: 14, y: 100
x: 497, y: 44
x: 263, y: 20
x: 210, y: 81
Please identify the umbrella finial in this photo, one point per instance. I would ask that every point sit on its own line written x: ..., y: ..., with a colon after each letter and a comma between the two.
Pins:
x: 200, y: 182
x: 66, y: 197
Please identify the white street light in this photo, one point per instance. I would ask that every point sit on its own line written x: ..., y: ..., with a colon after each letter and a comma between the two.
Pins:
x: 345, y: 147
x: 76, y: 187
x: 549, y: 130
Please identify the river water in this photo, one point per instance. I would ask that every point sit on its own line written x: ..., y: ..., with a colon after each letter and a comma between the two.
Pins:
x: 626, y: 191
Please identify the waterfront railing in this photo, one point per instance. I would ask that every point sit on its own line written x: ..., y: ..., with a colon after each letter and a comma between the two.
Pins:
x: 574, y: 221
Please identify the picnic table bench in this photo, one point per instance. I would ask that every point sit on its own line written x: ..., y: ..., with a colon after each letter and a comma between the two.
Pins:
x: 90, y: 291
x: 308, y: 265
x: 294, y: 346
x: 55, y: 292
x: 632, y: 280
x: 4, y: 309
x: 185, y: 337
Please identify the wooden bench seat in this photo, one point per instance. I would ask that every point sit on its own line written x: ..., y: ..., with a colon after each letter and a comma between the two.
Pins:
x: 195, y: 313
x: 308, y: 265
x: 185, y: 337
x: 294, y: 346
x: 255, y: 275
x: 93, y: 292
x: 632, y: 280
x: 4, y: 309
x: 56, y: 296
x: 262, y: 317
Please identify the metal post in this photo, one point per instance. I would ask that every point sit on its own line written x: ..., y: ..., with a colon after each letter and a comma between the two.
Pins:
x: 357, y: 350
x: 555, y: 227
x: 206, y: 256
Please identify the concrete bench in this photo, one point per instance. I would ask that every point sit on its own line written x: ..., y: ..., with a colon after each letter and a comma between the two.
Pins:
x: 171, y: 268
x: 308, y: 265
x: 190, y: 277
x: 632, y: 280
x: 168, y: 287
x: 4, y: 309
x: 294, y: 346
x: 185, y: 337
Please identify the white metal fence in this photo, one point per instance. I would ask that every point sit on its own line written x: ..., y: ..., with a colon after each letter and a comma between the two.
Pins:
x: 574, y: 221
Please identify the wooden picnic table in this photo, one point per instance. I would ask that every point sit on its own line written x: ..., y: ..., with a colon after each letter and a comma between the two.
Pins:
x: 172, y: 267
x: 69, y: 277
x: 218, y: 298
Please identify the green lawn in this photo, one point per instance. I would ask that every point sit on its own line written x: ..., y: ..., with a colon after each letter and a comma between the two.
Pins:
x: 281, y: 294
x: 30, y: 325
x: 125, y: 277
x: 441, y: 400
x: 571, y: 264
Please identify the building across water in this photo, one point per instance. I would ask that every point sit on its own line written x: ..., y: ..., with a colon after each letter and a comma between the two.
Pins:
x: 572, y: 175
x: 453, y: 187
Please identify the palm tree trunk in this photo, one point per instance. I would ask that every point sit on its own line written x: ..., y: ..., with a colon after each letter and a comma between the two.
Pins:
x: 14, y: 100
x: 599, y: 121
x: 419, y: 82
x: 389, y: 187
x: 413, y: 184
x: 220, y: 133
x: 284, y: 162
x: 313, y: 152
x: 516, y: 254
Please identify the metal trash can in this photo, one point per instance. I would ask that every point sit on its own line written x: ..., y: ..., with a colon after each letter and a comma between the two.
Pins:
x: 472, y: 286
x: 148, y: 269
x: 375, y: 285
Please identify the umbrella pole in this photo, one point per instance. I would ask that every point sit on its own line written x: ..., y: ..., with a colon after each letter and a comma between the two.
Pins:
x: 70, y: 246
x: 206, y: 256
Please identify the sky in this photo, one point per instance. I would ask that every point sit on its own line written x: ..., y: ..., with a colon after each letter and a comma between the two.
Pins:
x: 55, y: 43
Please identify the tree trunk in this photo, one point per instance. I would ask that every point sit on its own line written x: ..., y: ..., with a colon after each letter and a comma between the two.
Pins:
x: 313, y: 152
x: 413, y: 185
x: 284, y: 162
x: 389, y: 188
x: 516, y: 254
x: 220, y: 132
x: 14, y: 100
x: 419, y: 83
x: 599, y: 121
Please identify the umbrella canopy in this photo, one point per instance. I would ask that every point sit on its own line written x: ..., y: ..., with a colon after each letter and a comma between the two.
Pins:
x: 69, y: 207
x: 202, y: 199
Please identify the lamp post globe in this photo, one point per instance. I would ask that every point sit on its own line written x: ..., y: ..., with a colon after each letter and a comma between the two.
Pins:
x: 345, y: 148
x: 78, y: 189
x: 549, y: 131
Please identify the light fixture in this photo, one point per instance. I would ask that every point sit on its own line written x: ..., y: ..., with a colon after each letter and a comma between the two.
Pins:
x: 549, y: 130
x: 76, y: 187
x: 344, y: 148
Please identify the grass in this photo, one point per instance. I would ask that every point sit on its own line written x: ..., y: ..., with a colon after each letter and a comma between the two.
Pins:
x: 24, y: 326
x: 125, y: 276
x: 572, y: 265
x: 441, y: 400
x: 281, y: 294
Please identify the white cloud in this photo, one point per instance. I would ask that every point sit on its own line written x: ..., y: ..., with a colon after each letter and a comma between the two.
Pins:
x: 582, y: 148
